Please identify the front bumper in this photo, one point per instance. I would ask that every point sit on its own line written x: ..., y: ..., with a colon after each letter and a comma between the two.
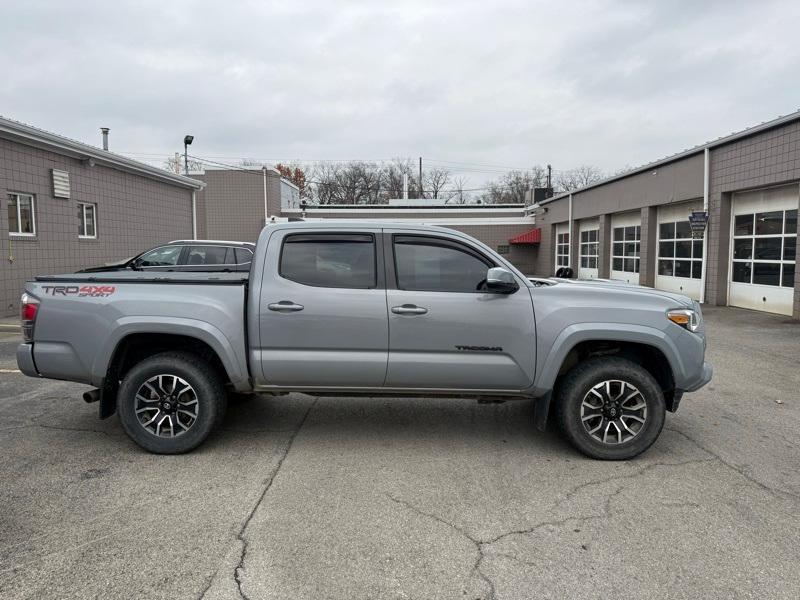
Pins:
x: 705, y: 376
x: 25, y: 360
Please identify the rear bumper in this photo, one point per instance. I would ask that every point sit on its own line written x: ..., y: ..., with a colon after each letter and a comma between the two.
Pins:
x: 25, y: 360
x: 706, y: 373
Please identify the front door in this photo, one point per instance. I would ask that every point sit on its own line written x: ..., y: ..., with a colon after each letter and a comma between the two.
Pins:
x: 446, y: 331
x: 322, y: 312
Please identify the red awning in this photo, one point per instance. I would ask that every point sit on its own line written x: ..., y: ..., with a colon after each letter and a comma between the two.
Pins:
x: 534, y: 236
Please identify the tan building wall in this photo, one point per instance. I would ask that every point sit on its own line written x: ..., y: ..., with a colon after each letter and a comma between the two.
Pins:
x: 133, y: 213
x: 761, y: 159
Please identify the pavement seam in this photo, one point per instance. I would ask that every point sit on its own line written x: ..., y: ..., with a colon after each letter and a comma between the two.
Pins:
x: 240, y: 535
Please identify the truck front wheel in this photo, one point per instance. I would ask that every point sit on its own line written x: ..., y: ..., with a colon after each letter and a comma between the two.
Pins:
x: 610, y: 408
x: 169, y: 403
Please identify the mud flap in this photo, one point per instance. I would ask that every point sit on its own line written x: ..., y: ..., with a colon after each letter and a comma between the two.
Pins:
x: 541, y: 410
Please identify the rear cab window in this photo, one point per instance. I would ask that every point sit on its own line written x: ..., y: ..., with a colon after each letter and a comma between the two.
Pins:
x: 333, y: 260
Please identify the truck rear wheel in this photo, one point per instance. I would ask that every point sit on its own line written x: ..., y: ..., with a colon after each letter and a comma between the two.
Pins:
x: 169, y: 403
x: 610, y: 408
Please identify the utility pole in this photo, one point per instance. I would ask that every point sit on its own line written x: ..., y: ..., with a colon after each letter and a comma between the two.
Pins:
x: 421, y: 195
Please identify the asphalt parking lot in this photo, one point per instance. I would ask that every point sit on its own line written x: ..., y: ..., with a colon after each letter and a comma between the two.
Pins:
x: 384, y: 498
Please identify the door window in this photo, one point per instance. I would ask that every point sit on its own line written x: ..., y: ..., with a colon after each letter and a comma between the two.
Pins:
x: 434, y: 265
x: 243, y: 256
x: 764, y: 248
x: 330, y: 260
x: 210, y: 255
x: 166, y: 256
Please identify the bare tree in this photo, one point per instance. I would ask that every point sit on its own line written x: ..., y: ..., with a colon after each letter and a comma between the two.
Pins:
x: 579, y: 177
x: 512, y: 187
x: 175, y: 164
x: 393, y: 173
x: 435, y: 181
x: 458, y: 193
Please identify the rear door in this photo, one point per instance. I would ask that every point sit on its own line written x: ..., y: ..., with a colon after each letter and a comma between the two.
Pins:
x: 446, y: 331
x: 322, y: 313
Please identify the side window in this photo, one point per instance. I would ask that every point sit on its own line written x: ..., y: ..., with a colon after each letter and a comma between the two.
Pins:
x: 209, y: 255
x: 433, y: 265
x: 243, y: 256
x: 166, y: 256
x: 329, y: 260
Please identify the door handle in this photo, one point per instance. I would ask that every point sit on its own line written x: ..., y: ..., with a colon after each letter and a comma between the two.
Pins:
x: 409, y: 309
x: 285, y: 306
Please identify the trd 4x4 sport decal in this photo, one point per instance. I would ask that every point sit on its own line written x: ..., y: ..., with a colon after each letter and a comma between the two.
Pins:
x: 92, y: 291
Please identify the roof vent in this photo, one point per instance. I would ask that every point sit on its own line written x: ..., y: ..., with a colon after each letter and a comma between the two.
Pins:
x: 105, y: 131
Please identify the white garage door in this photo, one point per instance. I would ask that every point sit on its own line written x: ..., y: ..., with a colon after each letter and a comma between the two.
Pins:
x: 562, y: 246
x: 626, y: 235
x: 589, y: 244
x: 763, y: 249
x: 680, y: 258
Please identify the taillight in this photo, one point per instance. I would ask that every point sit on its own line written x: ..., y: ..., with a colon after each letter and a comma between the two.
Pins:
x: 29, y: 307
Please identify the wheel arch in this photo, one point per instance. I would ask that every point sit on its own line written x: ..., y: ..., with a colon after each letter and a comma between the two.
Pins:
x: 646, y: 346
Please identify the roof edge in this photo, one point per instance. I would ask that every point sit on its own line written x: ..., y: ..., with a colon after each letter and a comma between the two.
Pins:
x: 720, y: 141
x: 33, y: 136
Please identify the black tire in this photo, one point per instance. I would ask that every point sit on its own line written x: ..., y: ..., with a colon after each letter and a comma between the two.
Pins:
x: 577, y: 385
x: 206, y: 386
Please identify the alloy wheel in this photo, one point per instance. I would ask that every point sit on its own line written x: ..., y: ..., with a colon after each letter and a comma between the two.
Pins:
x: 613, y: 412
x: 166, y: 405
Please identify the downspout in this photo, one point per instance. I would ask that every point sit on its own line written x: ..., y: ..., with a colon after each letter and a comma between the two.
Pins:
x: 264, y: 170
x: 569, y: 247
x: 706, y: 170
x: 194, y: 214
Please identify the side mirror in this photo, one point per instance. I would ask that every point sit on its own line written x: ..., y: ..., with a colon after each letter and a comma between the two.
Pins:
x: 501, y: 280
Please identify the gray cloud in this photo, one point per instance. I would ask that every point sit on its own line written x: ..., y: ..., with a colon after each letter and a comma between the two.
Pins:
x: 509, y: 82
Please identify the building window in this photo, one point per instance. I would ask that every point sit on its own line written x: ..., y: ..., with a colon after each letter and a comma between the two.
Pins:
x: 625, y: 249
x: 589, y: 246
x: 87, y: 220
x: 21, y: 217
x: 764, y: 248
x: 678, y: 254
x: 562, y: 249
x: 503, y: 249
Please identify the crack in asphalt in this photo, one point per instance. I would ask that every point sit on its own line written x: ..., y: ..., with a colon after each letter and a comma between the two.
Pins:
x: 482, y: 545
x: 778, y: 493
x: 239, y: 568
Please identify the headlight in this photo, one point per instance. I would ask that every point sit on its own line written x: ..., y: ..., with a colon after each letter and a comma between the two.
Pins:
x: 686, y: 318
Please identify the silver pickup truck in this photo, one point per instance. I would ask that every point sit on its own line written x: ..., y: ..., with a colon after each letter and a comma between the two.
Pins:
x: 334, y: 308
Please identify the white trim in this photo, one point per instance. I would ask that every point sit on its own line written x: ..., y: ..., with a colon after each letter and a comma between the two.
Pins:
x: 409, y: 209
x: 23, y: 234
x: 83, y: 206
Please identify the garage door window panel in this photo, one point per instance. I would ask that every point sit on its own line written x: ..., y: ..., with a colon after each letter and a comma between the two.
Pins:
x: 765, y: 248
x: 562, y: 250
x: 687, y: 253
x: 589, y: 249
x: 625, y: 249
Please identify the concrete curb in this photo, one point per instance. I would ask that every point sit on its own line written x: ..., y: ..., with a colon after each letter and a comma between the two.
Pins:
x: 9, y: 327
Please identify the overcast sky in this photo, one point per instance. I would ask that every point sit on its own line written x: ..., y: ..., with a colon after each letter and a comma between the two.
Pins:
x: 500, y: 83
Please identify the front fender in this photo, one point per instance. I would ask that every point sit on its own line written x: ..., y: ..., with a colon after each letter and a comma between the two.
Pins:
x: 232, y: 358
x: 576, y: 333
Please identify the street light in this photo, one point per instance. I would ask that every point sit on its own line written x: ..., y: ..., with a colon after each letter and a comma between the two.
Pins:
x: 187, y: 140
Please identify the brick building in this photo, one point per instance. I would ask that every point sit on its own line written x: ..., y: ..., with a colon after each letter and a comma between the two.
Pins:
x: 70, y: 205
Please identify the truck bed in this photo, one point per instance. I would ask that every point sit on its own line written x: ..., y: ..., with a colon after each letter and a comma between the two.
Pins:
x: 83, y: 317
